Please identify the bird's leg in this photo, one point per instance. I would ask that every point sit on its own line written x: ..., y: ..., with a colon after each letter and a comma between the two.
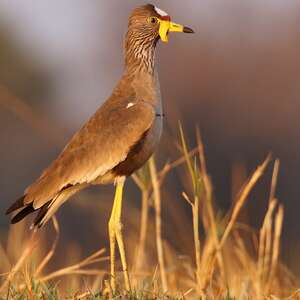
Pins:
x: 115, y: 234
x: 112, y: 244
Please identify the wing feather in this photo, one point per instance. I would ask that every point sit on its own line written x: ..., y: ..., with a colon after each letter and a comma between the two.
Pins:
x: 101, y: 144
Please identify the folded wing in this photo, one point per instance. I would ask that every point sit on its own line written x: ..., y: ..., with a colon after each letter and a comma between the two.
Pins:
x: 97, y: 148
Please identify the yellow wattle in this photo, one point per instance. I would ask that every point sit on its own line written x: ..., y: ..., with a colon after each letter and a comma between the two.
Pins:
x: 167, y: 26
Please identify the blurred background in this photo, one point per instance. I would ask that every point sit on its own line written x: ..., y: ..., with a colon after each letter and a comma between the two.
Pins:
x: 237, y: 78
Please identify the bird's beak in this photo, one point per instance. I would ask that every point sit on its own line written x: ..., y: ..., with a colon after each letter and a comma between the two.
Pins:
x: 166, y: 26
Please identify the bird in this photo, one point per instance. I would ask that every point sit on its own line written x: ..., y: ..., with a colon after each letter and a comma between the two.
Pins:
x: 116, y: 141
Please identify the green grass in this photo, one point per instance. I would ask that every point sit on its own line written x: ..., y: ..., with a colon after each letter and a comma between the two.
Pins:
x: 48, y: 292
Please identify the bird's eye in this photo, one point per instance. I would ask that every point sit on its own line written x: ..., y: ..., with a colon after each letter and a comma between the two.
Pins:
x: 152, y: 20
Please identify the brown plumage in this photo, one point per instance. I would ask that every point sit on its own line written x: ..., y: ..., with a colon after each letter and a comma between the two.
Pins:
x: 118, y: 139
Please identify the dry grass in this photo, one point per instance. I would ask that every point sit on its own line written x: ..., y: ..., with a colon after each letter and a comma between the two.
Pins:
x: 231, y: 261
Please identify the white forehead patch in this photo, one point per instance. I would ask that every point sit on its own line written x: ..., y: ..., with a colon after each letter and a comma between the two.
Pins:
x: 160, y: 12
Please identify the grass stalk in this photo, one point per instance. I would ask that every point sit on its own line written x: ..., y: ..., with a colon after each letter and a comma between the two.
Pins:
x: 51, y: 252
x: 24, y: 256
x: 276, y: 247
x: 195, y: 208
x: 264, y: 245
x: 77, y: 268
x: 242, y: 198
x: 197, y: 242
x: 143, y: 181
x: 211, y: 215
x: 157, y: 204
x: 143, y: 231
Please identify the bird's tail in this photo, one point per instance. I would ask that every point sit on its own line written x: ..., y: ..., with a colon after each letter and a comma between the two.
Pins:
x: 45, y: 212
x: 27, y: 209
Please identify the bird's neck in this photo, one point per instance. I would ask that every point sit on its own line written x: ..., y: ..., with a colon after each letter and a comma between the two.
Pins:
x: 140, y: 72
x: 139, y: 56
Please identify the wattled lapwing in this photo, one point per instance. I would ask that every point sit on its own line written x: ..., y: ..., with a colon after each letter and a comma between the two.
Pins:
x: 117, y: 140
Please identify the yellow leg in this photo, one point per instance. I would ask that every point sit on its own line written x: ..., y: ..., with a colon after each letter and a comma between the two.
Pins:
x: 115, y: 234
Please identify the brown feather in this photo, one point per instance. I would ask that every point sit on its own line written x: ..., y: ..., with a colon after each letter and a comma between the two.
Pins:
x: 16, y: 205
x: 42, y: 212
x: 22, y: 214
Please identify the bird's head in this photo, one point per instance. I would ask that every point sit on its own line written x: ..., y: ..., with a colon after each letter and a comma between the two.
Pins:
x: 152, y: 23
x: 147, y: 24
